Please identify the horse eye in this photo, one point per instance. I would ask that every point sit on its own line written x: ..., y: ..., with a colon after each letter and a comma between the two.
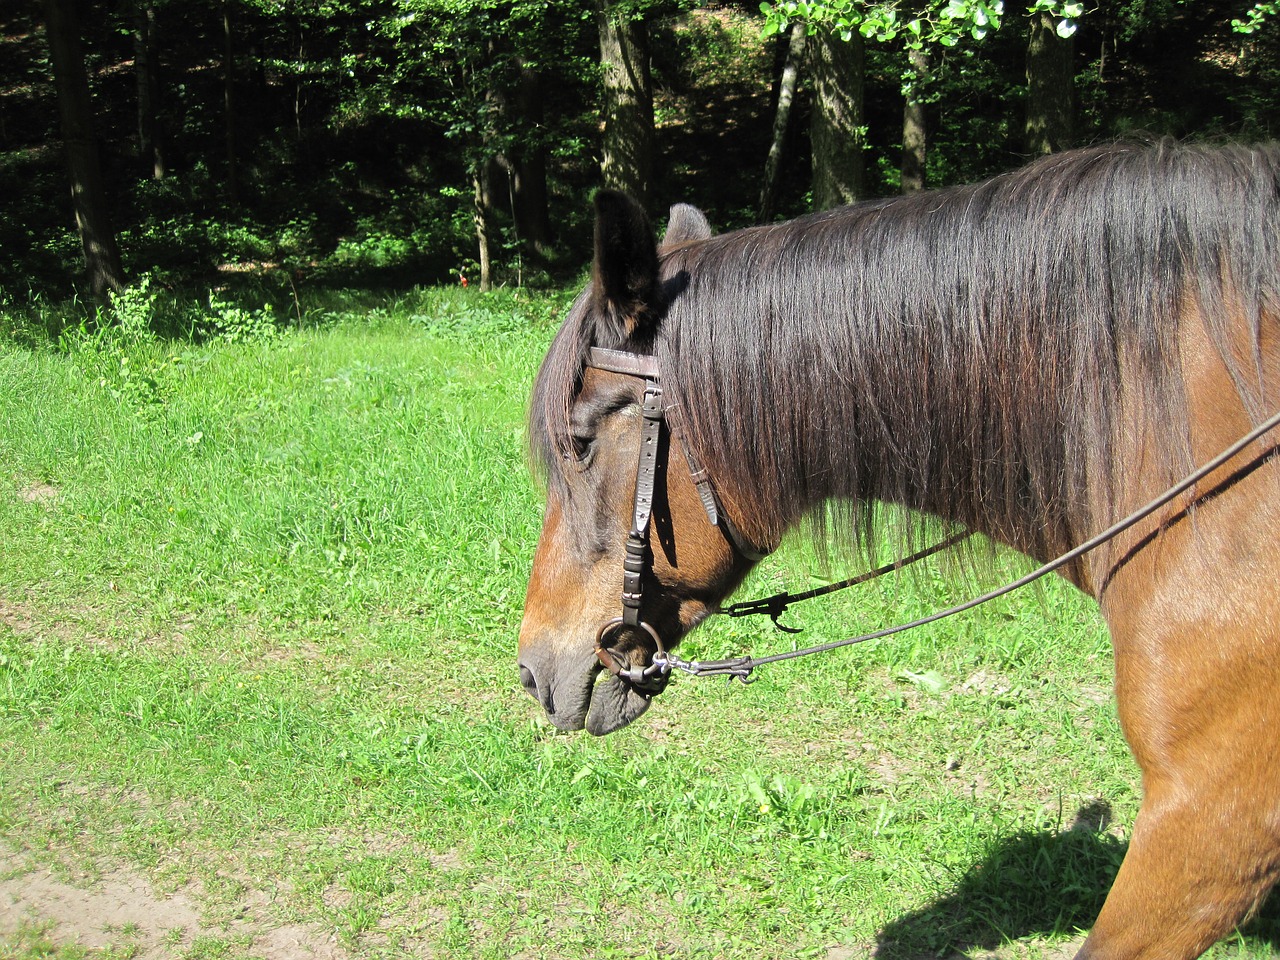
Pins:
x: 580, y: 449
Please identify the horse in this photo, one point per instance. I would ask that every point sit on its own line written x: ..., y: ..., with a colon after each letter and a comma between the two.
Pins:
x: 1026, y: 358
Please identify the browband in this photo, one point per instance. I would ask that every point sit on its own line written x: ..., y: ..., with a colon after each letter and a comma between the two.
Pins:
x: 621, y: 361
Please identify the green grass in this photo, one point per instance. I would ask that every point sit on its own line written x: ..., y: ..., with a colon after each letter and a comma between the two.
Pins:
x: 258, y: 608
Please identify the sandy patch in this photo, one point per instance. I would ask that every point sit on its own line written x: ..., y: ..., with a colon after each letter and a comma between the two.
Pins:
x: 122, y: 910
x: 44, y: 493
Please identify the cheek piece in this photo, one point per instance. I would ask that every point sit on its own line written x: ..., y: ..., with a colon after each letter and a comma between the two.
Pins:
x: 653, y: 678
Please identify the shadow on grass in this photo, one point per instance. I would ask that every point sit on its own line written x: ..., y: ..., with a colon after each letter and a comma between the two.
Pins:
x: 1034, y: 884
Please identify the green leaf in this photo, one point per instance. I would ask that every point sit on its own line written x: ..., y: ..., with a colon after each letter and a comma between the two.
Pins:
x: 930, y: 680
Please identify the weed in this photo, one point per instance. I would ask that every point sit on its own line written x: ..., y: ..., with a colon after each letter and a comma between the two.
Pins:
x: 235, y: 324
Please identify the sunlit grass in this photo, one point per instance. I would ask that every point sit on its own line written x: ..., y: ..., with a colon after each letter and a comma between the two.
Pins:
x: 258, y: 611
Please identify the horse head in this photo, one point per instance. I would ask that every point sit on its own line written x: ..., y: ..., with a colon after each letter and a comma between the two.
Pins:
x: 588, y: 432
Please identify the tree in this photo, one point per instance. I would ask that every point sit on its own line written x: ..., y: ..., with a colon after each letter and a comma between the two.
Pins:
x: 482, y: 72
x: 626, y: 158
x: 838, y: 122
x: 915, y: 132
x: 229, y: 105
x: 837, y: 130
x: 366, y: 132
x: 919, y: 25
x: 782, y: 118
x: 150, y: 148
x: 1050, y: 76
x: 527, y: 167
x: 75, y: 110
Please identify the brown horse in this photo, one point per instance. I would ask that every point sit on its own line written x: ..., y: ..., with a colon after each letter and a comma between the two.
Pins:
x: 1029, y: 358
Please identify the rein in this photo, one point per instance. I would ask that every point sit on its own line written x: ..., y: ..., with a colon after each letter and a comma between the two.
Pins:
x: 776, y: 605
x: 654, y: 677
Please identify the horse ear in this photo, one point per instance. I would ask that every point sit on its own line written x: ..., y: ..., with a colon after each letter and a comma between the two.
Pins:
x: 625, y: 286
x: 684, y: 224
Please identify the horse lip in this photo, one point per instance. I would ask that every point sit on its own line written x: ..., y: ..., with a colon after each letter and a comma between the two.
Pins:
x: 580, y: 694
x: 614, y: 702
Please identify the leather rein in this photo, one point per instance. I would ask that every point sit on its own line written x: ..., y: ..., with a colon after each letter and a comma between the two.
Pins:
x: 653, y: 678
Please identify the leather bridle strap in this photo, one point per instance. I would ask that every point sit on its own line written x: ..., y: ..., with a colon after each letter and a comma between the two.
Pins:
x: 653, y: 677
x: 707, y: 492
x: 776, y: 605
x: 633, y: 564
x: 621, y: 361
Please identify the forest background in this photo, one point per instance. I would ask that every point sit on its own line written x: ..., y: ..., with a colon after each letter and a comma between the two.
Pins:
x: 304, y: 143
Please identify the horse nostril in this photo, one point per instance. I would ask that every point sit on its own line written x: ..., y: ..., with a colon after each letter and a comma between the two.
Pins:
x: 528, y: 682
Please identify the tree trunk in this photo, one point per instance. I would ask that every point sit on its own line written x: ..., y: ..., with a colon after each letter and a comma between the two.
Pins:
x: 75, y: 111
x: 627, y: 149
x: 529, y: 199
x: 837, y: 133
x: 300, y: 27
x: 1050, y: 83
x: 915, y: 141
x: 782, y: 119
x: 145, y: 66
x: 482, y: 214
x: 229, y: 106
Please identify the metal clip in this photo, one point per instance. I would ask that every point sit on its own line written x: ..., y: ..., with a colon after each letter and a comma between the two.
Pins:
x: 739, y: 667
x: 774, y: 606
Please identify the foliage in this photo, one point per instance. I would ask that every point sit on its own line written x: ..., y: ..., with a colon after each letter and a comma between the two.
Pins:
x: 447, y: 61
x: 1256, y: 17
x: 235, y: 324
x: 358, y: 129
x: 942, y: 22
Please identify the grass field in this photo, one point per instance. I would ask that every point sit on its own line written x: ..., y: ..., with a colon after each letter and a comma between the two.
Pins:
x: 259, y: 599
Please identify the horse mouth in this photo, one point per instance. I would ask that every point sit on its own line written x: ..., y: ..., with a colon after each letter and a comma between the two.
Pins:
x: 575, y: 688
x: 614, y: 702
x: 584, y: 695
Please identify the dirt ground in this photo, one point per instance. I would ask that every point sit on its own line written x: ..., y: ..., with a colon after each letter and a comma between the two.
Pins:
x: 120, y: 910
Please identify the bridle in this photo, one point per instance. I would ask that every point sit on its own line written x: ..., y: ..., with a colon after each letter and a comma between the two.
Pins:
x: 657, y: 416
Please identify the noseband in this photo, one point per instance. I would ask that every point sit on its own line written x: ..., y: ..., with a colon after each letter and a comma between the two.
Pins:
x: 657, y: 416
